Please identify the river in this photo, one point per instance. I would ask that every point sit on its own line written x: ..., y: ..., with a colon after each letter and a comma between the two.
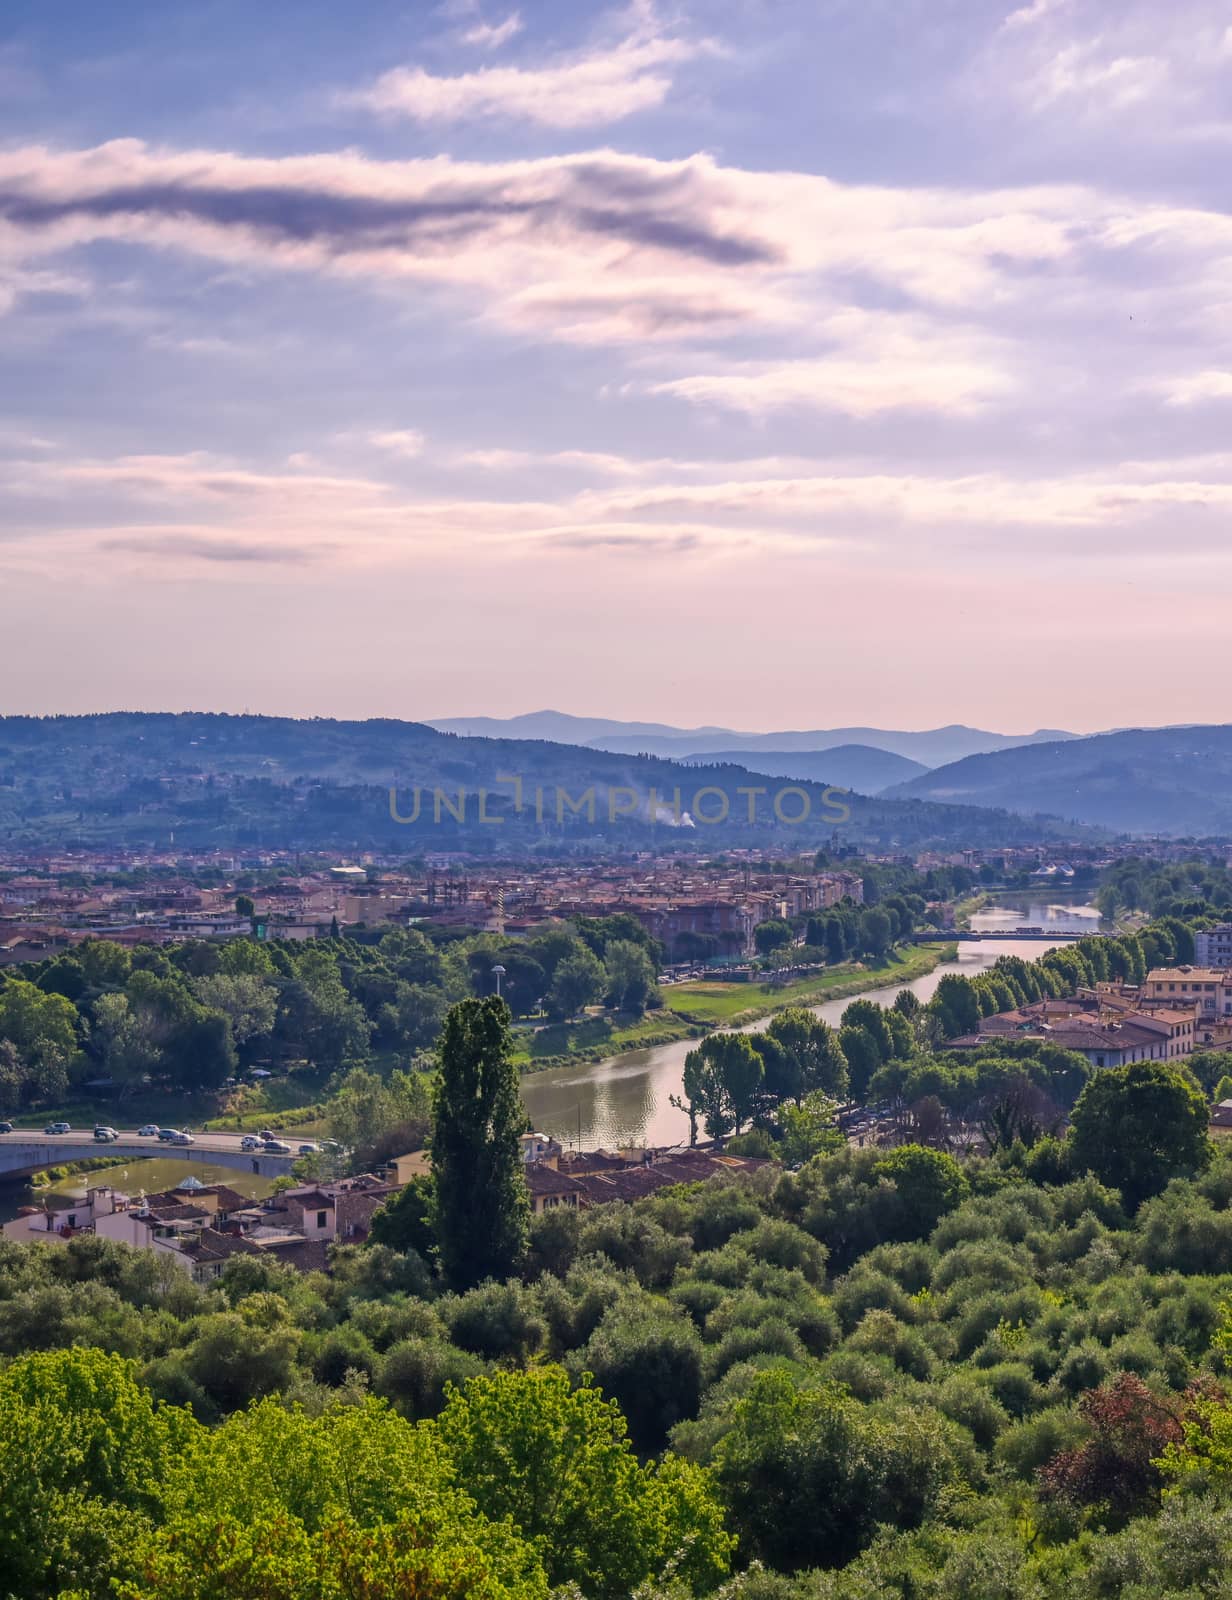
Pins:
x: 622, y: 1101
x: 626, y: 1100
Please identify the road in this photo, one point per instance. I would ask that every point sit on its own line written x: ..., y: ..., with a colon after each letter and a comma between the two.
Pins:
x: 28, y: 1149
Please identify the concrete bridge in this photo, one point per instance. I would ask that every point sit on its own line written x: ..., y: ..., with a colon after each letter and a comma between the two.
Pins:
x: 30, y: 1149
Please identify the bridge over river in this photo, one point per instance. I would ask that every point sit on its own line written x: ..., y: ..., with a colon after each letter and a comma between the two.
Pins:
x: 28, y: 1150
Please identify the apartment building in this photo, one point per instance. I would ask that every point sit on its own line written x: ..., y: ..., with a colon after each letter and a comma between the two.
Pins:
x: 1208, y: 988
x: 1096, y: 1025
x: 1213, y: 948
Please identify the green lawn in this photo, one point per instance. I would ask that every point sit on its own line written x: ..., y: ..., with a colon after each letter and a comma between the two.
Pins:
x: 593, y: 1037
x: 731, y: 1002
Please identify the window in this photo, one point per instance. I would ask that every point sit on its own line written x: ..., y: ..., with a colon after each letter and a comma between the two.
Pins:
x: 320, y: 1219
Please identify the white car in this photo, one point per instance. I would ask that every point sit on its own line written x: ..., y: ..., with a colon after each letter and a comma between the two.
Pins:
x: 251, y: 1142
x: 149, y: 1131
x: 57, y: 1127
x: 106, y: 1135
x: 183, y: 1138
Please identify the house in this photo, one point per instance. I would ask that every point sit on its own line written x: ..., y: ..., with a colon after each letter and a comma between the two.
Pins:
x: 1106, y: 1034
x: 322, y: 1214
x: 598, y: 1178
x: 417, y: 1164
x: 550, y: 1189
x: 207, y: 1252
x: 172, y: 1223
x: 540, y: 1147
x: 1213, y: 948
x: 41, y: 1224
x: 1209, y: 988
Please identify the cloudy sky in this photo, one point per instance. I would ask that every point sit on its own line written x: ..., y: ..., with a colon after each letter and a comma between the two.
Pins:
x: 759, y: 362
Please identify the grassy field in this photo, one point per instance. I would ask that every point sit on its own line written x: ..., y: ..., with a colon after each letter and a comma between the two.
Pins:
x: 728, y: 1003
x: 964, y: 910
x: 595, y: 1037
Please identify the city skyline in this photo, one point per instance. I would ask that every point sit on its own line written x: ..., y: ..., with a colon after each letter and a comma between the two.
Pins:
x: 763, y: 365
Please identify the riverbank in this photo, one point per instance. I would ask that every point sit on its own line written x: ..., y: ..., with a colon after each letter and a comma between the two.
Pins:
x: 692, y: 1010
x: 597, y: 1038
x: 732, y: 1005
x: 964, y: 910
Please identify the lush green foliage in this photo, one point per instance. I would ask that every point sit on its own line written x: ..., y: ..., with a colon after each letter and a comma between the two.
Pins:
x: 887, y: 1375
x: 482, y: 1208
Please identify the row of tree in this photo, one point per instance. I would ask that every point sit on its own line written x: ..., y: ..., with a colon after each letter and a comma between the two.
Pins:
x: 192, y: 1015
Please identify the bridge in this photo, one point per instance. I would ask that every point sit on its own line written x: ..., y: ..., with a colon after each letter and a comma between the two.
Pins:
x: 30, y: 1149
x: 1042, y: 935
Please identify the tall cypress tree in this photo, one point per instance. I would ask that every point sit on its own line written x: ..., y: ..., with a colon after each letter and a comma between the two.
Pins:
x: 483, y: 1205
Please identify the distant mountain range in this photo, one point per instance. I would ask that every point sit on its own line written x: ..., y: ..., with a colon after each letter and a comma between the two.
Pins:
x: 1174, y: 781
x: 849, y: 766
x: 933, y: 747
x: 202, y: 780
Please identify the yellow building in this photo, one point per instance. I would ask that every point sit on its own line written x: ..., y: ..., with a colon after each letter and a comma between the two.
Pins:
x: 1208, y: 988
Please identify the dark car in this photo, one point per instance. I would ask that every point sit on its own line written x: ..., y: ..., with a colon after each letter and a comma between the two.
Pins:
x: 6, y: 1127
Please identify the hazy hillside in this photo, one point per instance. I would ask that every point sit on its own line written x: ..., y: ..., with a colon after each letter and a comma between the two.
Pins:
x: 851, y: 766
x: 275, y: 782
x: 1146, y: 780
x: 931, y: 748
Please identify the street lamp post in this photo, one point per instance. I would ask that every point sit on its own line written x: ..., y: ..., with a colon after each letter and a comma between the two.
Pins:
x: 498, y: 972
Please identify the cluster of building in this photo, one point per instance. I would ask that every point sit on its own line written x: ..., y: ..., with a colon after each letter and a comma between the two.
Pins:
x: 575, y: 1179
x: 44, y: 911
x: 200, y: 1226
x: 1174, y: 1011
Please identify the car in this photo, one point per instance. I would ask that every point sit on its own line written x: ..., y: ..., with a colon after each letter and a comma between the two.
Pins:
x: 106, y: 1135
x: 149, y: 1131
x: 168, y: 1135
x: 183, y: 1138
x: 331, y: 1147
x: 309, y: 1149
x: 57, y: 1127
x: 6, y: 1127
x: 275, y: 1147
x: 251, y: 1142
x: 266, y: 1133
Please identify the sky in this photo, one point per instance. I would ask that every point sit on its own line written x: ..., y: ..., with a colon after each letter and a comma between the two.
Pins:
x: 763, y: 363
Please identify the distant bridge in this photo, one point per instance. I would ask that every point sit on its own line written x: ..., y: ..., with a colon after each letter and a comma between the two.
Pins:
x: 1043, y: 935
x: 30, y: 1149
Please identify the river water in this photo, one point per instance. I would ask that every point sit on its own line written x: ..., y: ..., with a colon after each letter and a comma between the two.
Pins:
x: 622, y: 1101
x: 626, y: 1100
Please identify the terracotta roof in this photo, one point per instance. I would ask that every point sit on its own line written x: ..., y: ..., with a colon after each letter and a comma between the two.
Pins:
x: 543, y: 1180
x: 305, y: 1255
x: 214, y: 1246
